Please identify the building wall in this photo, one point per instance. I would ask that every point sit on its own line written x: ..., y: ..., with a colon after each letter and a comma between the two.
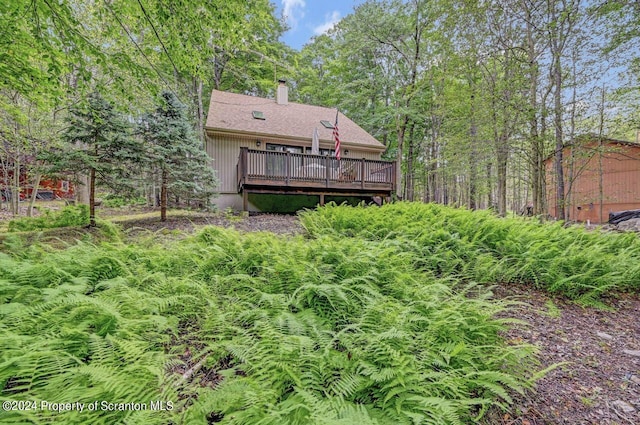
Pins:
x: 620, y: 181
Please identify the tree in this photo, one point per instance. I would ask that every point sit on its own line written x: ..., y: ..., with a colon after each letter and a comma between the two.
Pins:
x: 99, y: 144
x: 175, y: 152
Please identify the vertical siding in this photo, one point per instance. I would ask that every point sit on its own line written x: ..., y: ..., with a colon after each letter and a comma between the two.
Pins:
x: 359, y: 154
x: 224, y: 151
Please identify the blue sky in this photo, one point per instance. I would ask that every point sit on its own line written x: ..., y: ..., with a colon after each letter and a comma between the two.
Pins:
x: 307, y: 18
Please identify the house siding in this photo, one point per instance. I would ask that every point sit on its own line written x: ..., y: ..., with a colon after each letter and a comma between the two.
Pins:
x: 620, y: 181
x: 224, y: 150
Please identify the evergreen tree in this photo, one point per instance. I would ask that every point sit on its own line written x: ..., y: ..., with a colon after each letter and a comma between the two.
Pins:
x: 98, y: 144
x: 175, y: 152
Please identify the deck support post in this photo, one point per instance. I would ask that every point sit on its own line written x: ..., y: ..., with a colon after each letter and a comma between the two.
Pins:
x: 245, y: 200
x: 321, y: 199
x: 326, y: 169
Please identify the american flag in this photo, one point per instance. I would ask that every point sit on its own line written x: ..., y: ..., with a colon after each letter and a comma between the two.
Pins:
x: 336, y: 137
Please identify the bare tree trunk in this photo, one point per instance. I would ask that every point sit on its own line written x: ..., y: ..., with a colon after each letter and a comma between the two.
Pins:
x: 92, y: 197
x: 501, y: 168
x: 34, y: 193
x: 473, y: 159
x: 490, y: 200
x: 560, y: 194
x: 164, y: 196
x: 537, y: 148
x: 82, y: 189
x: 600, y: 148
x: 399, y: 180
x: 15, y: 189
x: 410, y: 180
x: 197, y: 87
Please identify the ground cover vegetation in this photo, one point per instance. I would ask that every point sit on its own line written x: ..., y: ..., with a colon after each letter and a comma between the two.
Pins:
x: 71, y: 215
x: 254, y: 329
x: 481, y: 247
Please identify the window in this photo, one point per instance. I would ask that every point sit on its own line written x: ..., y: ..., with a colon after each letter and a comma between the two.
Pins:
x: 284, y: 148
x: 333, y: 163
x: 323, y: 152
x: 276, y: 161
x: 259, y: 115
x: 326, y: 124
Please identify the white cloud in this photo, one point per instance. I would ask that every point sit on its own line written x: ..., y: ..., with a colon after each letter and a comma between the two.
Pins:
x: 293, y: 11
x: 330, y: 20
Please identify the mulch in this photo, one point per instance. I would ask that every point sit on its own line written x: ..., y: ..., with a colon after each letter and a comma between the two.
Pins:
x: 275, y: 223
x: 598, y: 381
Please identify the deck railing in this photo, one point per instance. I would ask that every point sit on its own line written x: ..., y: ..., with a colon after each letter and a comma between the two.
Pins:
x: 271, y: 168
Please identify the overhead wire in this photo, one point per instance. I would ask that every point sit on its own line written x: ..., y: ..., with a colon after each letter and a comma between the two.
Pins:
x: 164, y: 48
x: 141, y: 51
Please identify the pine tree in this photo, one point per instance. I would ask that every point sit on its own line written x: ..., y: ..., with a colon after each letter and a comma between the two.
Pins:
x: 176, y: 153
x: 99, y: 144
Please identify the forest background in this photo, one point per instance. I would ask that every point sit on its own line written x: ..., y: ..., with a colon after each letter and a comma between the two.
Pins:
x: 469, y: 97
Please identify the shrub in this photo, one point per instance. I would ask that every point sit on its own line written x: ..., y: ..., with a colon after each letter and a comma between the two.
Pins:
x: 71, y: 215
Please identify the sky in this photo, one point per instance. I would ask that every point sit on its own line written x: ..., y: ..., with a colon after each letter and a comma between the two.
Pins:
x: 307, y: 18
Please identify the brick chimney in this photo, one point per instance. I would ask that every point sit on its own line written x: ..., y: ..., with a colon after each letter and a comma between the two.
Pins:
x: 282, y: 94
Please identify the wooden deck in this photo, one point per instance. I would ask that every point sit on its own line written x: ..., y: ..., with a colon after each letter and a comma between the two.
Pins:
x: 290, y: 173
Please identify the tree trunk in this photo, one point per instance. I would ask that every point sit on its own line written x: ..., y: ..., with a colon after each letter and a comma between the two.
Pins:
x: 163, y: 196
x: 399, y: 180
x: 15, y: 189
x: 197, y: 87
x: 92, y: 197
x: 473, y: 159
x: 537, y: 149
x: 490, y: 200
x: 410, y: 168
x: 501, y: 167
x: 34, y: 194
x: 560, y: 195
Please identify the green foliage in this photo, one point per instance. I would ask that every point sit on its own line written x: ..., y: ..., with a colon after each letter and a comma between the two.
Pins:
x: 174, y: 150
x: 116, y: 201
x: 478, y: 246
x: 71, y: 215
x: 252, y: 328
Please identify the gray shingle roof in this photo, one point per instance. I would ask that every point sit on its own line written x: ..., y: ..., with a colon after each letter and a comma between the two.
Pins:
x: 232, y: 112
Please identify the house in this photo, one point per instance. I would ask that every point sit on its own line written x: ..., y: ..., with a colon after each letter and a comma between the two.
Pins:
x: 601, y: 176
x: 263, y: 147
x: 49, y: 188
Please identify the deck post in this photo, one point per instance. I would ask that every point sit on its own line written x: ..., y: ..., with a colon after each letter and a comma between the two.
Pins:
x: 288, y: 168
x: 362, y: 174
x: 244, y: 161
x: 245, y: 200
x: 322, y: 199
x: 326, y: 169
